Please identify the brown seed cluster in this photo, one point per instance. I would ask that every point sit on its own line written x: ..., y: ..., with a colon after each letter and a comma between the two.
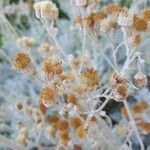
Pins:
x: 140, y: 107
x: 81, y: 132
x: 91, y: 20
x: 22, y: 61
x: 48, y: 95
x: 75, y: 122
x: 52, y: 67
x: 119, y: 87
x: 90, y: 77
x: 71, y: 99
x: 140, y: 24
x: 143, y: 125
x: 146, y: 14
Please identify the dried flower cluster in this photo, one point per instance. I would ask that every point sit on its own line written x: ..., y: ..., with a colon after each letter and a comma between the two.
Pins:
x: 73, y: 86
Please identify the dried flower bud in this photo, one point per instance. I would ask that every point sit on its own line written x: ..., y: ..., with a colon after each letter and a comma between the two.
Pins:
x: 63, y: 125
x: 80, y: 132
x: 112, y: 8
x: 22, y: 62
x: 146, y: 14
x: 64, y: 136
x: 26, y: 42
x: 46, y: 10
x: 54, y: 120
x: 48, y: 95
x: 140, y: 24
x: 140, y: 80
x: 51, y: 67
x: 90, y: 77
x: 140, y: 107
x: 120, y: 92
x: 71, y: 99
x: 75, y: 122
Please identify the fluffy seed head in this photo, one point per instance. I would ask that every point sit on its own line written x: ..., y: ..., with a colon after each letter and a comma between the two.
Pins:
x: 52, y: 67
x: 90, y: 77
x: 140, y: 107
x: 63, y: 125
x: 48, y: 94
x: 99, y: 15
x: 54, y: 120
x: 80, y: 132
x: 75, y: 122
x: 22, y: 61
x: 140, y: 80
x: 26, y: 42
x: 112, y: 8
x: 140, y: 24
x: 146, y: 14
x: 72, y: 99
x: 49, y: 10
x: 64, y: 136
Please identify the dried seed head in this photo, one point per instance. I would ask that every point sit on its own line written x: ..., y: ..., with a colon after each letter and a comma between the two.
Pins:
x: 99, y: 15
x: 143, y: 125
x: 120, y: 92
x: 90, y: 77
x: 71, y: 99
x: 137, y: 39
x: 48, y: 95
x: 140, y: 107
x: 116, y: 79
x: 51, y: 68
x: 63, y: 125
x: 75, y: 122
x: 46, y: 10
x: 112, y: 8
x: 26, y: 42
x: 68, y: 75
x: 22, y: 61
x: 140, y: 80
x: 44, y: 48
x: 140, y: 24
x: 146, y: 14
x: 64, y: 136
x: 80, y: 132
x: 54, y: 120
x: 80, y: 89
x: 88, y: 22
